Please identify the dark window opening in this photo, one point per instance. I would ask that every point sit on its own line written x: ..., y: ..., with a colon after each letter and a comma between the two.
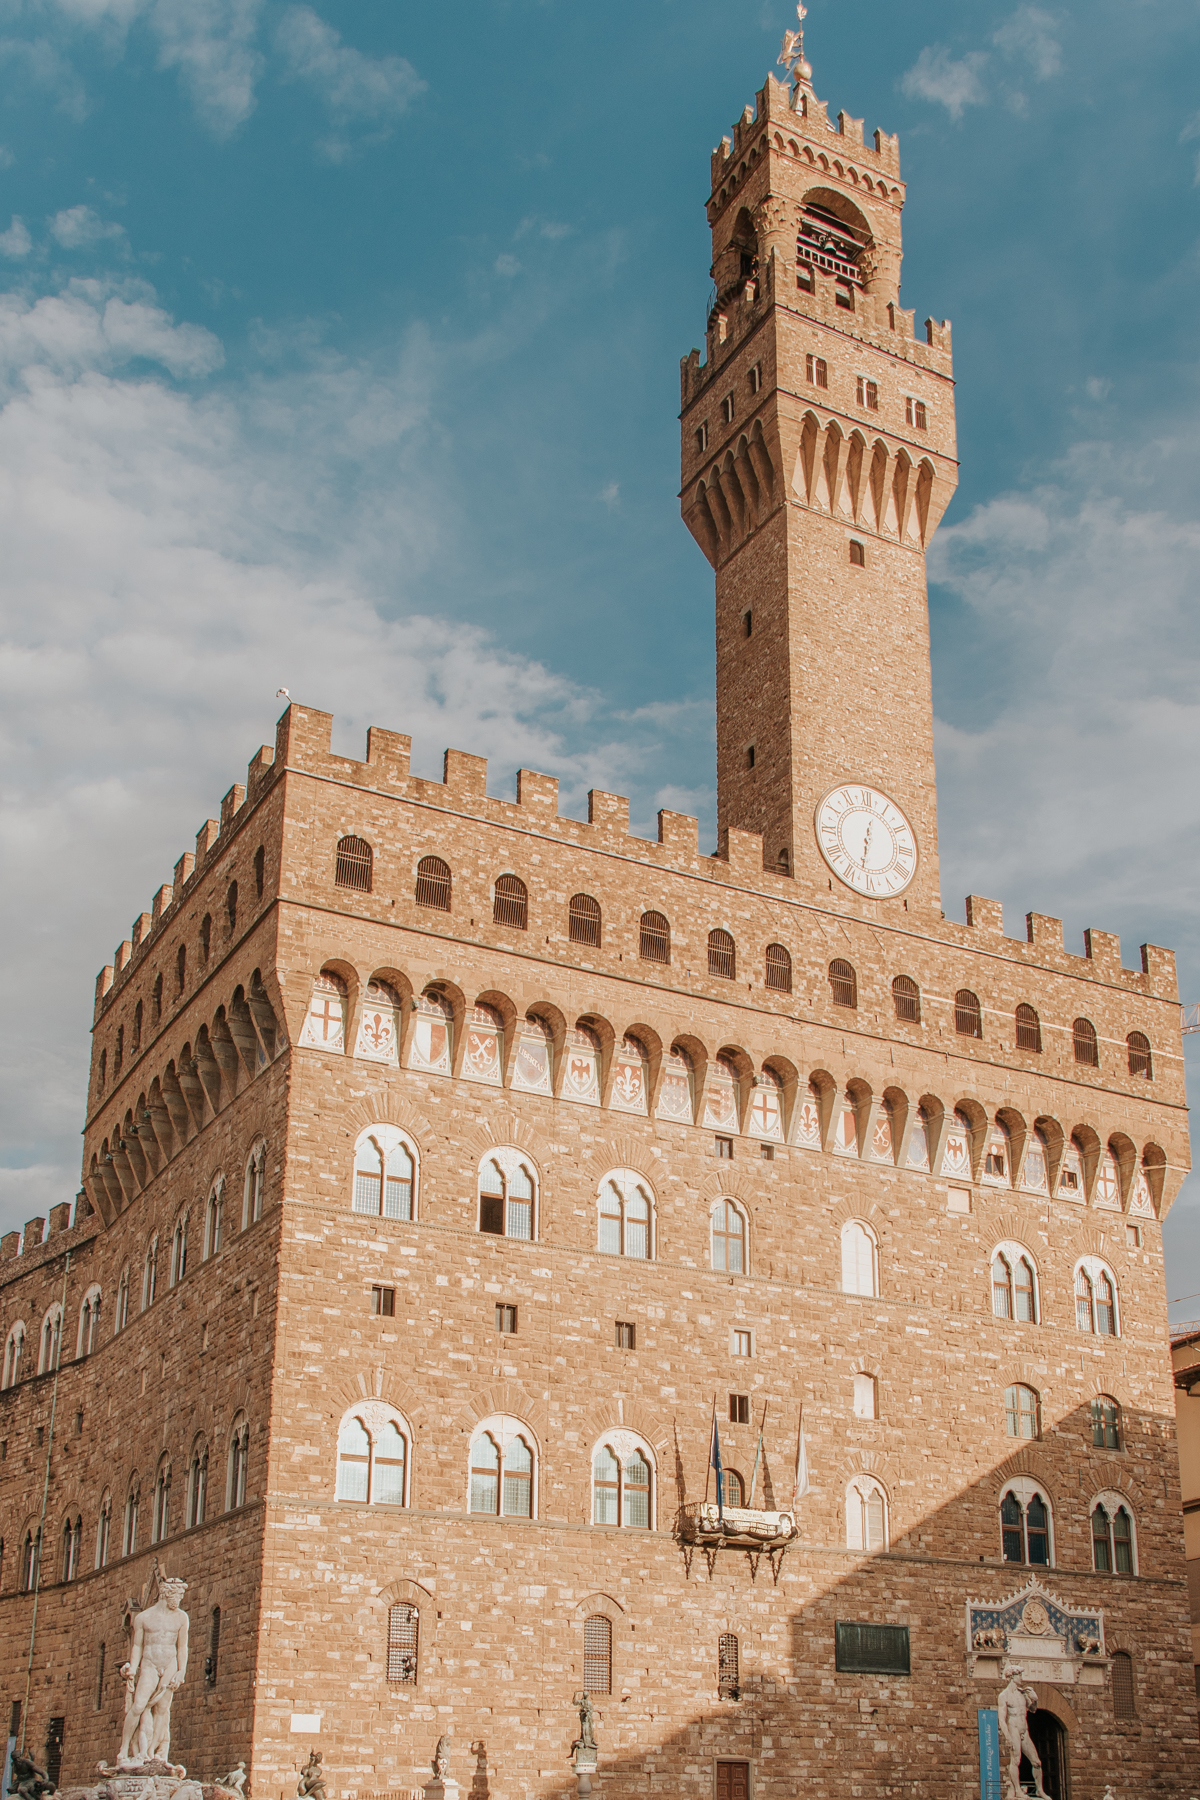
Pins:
x: 383, y: 1302
x: 231, y: 905
x: 906, y: 996
x: 858, y: 555
x: 1124, y: 1704
x: 597, y: 1655
x: 506, y: 1320
x: 727, y: 1666
x: 1029, y: 1029
x: 511, y: 903
x: 817, y: 371
x: 654, y: 938
x: 404, y: 1622
x: 1087, y: 1048
x: 625, y: 1335
x: 584, y: 920
x: 433, y: 884
x: 968, y: 1014
x: 843, y: 984
x: 739, y: 1409
x: 354, y: 865
x: 54, y: 1749
x: 157, y: 997
x: 722, y: 955
x: 260, y: 866
x: 725, y: 1149
x: 181, y: 968
x: 747, y: 624
x: 205, y: 936
x: 843, y: 294
x: 1138, y: 1045
x: 779, y: 968
x: 868, y: 394
x: 862, y: 1649
x: 214, y: 1647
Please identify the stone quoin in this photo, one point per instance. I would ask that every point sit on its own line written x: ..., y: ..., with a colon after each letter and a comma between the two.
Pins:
x: 449, y: 1161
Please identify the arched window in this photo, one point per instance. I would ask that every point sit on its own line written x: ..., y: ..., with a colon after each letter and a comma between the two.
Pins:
x: 103, y: 1530
x: 722, y: 955
x: 137, y: 1026
x: 205, y: 944
x: 72, y: 1540
x: 179, y: 1250
x: 197, y: 1494
x: 906, y: 997
x: 583, y: 926
x: 150, y: 1274
x: 733, y: 1488
x: 510, y: 905
x: 779, y: 968
x: 501, y: 1481
x: 160, y: 1518
x: 968, y: 1015
x: 1025, y: 1525
x: 1095, y: 1299
x: 1021, y: 1412
x: 260, y: 869
x: 728, y: 1679
x: 621, y: 1486
x: 1106, y: 1423
x: 597, y: 1655
x: 728, y: 1238
x: 866, y: 1515
x: 156, y: 994
x: 353, y: 866
x: 372, y: 1457
x: 31, y: 1560
x: 1029, y: 1029
x: 121, y: 1313
x: 384, y: 1169
x: 1124, y: 1698
x: 231, y: 897
x: 13, y: 1351
x: 433, y: 884
x: 1140, y: 1063
x: 1087, y: 1049
x: 214, y: 1216
x: 50, y: 1342
x: 858, y: 553
x: 1113, y: 1547
x: 133, y: 1503
x: 89, y: 1323
x: 404, y: 1643
x: 239, y: 1452
x: 654, y: 938
x: 626, y: 1215
x: 254, y: 1185
x: 1014, y: 1286
x: 843, y: 983
x: 506, y: 1196
x: 860, y: 1259
x: 432, y: 1041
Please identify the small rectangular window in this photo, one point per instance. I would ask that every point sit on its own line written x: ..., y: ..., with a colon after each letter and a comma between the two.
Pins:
x: 725, y: 1149
x: 817, y: 370
x: 383, y: 1302
x: 626, y: 1335
x: 748, y: 624
x: 843, y: 294
x: 702, y: 437
x: 743, y: 1343
x: 506, y: 1320
x: 767, y: 1152
x: 1133, y: 1236
x: 750, y: 756
x: 915, y: 413
x: 756, y: 378
x: 871, y: 1649
x: 868, y: 394
x: 727, y: 409
x: 739, y: 1409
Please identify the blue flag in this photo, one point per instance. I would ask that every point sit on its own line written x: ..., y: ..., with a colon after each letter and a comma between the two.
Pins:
x: 715, y: 1461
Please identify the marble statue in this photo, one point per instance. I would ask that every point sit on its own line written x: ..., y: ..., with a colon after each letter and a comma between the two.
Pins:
x: 235, y: 1781
x: 28, y: 1781
x: 441, y: 1756
x: 156, y: 1668
x: 311, y: 1785
x: 1013, y: 1707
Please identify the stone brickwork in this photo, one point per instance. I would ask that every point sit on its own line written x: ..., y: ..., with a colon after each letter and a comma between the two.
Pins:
x: 234, y: 1074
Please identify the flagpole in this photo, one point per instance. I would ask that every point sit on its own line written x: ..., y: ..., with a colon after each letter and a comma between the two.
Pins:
x: 757, y: 1454
x: 708, y: 1458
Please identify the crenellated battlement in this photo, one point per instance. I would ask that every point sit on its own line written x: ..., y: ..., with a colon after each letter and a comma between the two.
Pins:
x: 798, y: 108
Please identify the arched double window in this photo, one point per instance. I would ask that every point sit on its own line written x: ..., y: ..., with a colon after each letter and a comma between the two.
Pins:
x: 254, y: 1185
x: 597, y: 1655
x: 583, y: 920
x: 50, y: 1341
x: 160, y: 1517
x: 373, y: 1457
x: 654, y: 938
x: 89, y: 1323
x: 722, y: 955
x: 150, y: 1273
x: 433, y: 884
x: 503, y: 1470
x: 179, y: 1249
x: 133, y: 1506
x: 214, y: 1217
x: 1114, y: 1543
x: 728, y: 1238
x: 121, y: 1311
x: 384, y: 1173
x: 103, y: 1529
x: 197, y: 1490
x: 1014, y: 1285
x: 779, y: 969
x: 860, y: 1259
x: 1087, y: 1047
x: 72, y: 1543
x: 510, y: 905
x: 31, y: 1560
x: 239, y: 1454
x: 507, y: 1193
x: 968, y: 1014
x: 1096, y: 1299
x: 14, y: 1350
x: 843, y: 983
x: 622, y: 1485
x: 866, y: 1515
x: 1029, y: 1029
x: 1022, y: 1412
x: 906, y: 998
x: 1026, y: 1525
x: 353, y: 866
x: 626, y: 1215
x: 1140, y: 1060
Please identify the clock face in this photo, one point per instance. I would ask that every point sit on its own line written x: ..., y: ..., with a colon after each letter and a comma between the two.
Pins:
x: 866, y: 840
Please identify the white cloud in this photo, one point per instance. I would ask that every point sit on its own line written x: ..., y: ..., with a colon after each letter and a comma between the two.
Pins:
x: 78, y: 228
x: 611, y: 494
x: 46, y: 68
x: 16, y: 241
x: 211, y: 44
x: 507, y: 264
x: 952, y: 83
x: 355, y: 88
x: 1030, y: 35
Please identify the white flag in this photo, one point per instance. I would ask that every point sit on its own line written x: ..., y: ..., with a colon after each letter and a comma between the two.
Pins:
x: 800, y: 1487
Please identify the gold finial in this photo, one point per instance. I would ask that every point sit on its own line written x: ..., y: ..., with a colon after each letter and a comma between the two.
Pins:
x: 792, y: 54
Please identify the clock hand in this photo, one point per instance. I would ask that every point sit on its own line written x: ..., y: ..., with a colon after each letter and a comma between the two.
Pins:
x: 866, y: 844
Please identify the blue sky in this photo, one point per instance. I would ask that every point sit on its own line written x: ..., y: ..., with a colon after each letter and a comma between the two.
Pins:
x: 339, y: 351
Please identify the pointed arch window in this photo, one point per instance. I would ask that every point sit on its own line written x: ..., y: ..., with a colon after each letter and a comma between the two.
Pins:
x: 103, y: 1530
x: 1025, y: 1525
x: 866, y: 1515
x: 179, y: 1250
x: 384, y: 1171
x: 779, y: 968
x: 1014, y: 1286
x: 13, y: 1351
x: 1140, y: 1061
x: 72, y: 1543
x: 968, y: 1014
x: 728, y: 1238
x: 133, y: 1503
x: 160, y: 1516
x: 906, y: 998
x: 1106, y: 1423
x: 510, y: 905
x: 214, y: 1217
x: 31, y: 1559
x: 584, y: 921
x: 150, y: 1274
x: 843, y: 983
x: 722, y: 955
x: 1021, y: 1412
x: 1112, y: 1537
x: 597, y: 1655
x: 506, y: 1198
x: 197, y: 1494
x: 1087, y: 1048
x: 403, y: 1645
x: 239, y: 1454
x: 121, y: 1312
x: 1095, y: 1299
x: 354, y: 865
x: 1029, y: 1029
x: 372, y: 1461
x: 51, y: 1341
x: 626, y: 1216
x: 434, y: 888
x: 89, y: 1323
x: 501, y: 1484
x: 621, y: 1488
x: 654, y: 938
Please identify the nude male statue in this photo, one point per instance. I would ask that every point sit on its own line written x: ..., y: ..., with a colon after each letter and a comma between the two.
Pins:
x: 1016, y: 1702
x: 156, y: 1667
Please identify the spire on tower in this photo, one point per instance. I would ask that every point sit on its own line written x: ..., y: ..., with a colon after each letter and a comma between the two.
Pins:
x: 792, y: 54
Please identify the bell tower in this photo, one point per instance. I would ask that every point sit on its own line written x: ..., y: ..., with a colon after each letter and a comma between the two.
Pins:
x: 818, y: 455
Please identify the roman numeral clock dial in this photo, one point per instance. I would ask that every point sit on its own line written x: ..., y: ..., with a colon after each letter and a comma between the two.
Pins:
x: 866, y: 840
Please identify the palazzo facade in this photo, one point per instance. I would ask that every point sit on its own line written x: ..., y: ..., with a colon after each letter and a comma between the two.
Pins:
x: 449, y: 1162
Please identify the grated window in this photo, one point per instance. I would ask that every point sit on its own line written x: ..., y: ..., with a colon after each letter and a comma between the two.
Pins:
x: 968, y: 1014
x: 654, y: 940
x: 511, y: 903
x: 1124, y: 1706
x: 583, y: 920
x: 843, y: 983
x: 779, y: 969
x: 1029, y: 1029
x: 1087, y: 1049
x: 354, y: 864
x: 433, y: 884
x: 906, y: 997
x: 1138, y: 1045
x: 597, y: 1655
x: 404, y: 1625
x: 722, y: 955
x: 727, y: 1666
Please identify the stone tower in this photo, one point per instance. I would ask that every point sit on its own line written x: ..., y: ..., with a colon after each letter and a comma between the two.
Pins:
x: 818, y: 455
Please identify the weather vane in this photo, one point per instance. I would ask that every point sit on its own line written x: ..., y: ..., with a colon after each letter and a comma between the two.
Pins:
x: 792, y: 54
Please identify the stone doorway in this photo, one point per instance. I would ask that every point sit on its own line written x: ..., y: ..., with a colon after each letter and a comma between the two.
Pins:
x: 1050, y: 1739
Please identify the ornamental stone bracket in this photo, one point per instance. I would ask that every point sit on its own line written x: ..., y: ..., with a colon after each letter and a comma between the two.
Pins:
x: 1050, y: 1641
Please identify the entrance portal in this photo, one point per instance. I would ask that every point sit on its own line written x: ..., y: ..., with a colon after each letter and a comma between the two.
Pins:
x: 1050, y: 1740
